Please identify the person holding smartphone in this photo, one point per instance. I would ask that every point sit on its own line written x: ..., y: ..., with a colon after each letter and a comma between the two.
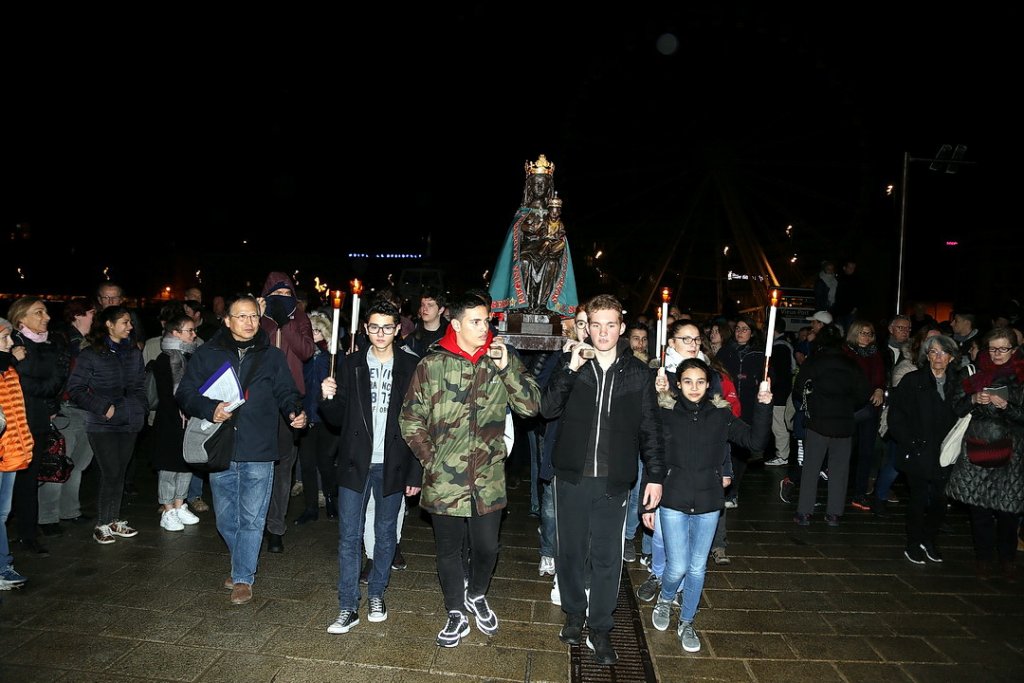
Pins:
x: 989, y: 474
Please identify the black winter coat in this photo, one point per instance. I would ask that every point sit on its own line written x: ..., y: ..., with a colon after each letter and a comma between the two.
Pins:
x: 168, y: 431
x: 695, y: 442
x: 351, y: 411
x: 43, y: 373
x: 919, y: 420
x: 115, y: 377
x: 745, y: 365
x: 633, y: 418
x: 837, y: 389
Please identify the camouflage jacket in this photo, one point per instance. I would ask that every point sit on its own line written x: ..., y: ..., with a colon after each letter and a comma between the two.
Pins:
x: 454, y: 422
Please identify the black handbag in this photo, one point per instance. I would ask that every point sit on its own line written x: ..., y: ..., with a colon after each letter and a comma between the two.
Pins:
x: 55, y: 466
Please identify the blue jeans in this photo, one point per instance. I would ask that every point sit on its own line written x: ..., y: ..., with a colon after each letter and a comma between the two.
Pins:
x: 241, y: 495
x: 6, y: 492
x: 351, y: 517
x: 687, y: 542
x: 534, y: 440
x: 195, y: 487
x: 887, y: 472
x: 548, y: 537
x: 657, y: 566
x: 633, y: 506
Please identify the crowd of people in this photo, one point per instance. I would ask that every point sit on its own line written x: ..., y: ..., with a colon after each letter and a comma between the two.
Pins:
x: 621, y: 445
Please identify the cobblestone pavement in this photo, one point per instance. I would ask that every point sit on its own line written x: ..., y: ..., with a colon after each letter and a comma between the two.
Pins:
x: 815, y: 604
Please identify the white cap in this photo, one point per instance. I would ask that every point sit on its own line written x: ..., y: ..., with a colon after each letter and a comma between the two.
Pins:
x: 823, y: 317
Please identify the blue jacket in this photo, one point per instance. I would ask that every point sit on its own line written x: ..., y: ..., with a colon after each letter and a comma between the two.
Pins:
x: 115, y: 377
x: 271, y: 392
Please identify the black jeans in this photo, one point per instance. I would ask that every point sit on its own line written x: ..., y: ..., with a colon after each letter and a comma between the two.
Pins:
x: 317, y: 450
x: 25, y: 501
x: 994, y: 529
x: 282, y: 488
x: 449, y: 536
x: 112, y: 451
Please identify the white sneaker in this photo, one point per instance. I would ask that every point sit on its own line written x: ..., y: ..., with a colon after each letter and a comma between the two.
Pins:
x: 169, y: 521
x: 731, y: 503
x: 556, y: 596
x: 547, y: 566
x: 185, y: 516
x: 775, y: 462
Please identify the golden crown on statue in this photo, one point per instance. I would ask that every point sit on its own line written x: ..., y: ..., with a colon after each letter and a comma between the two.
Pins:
x: 555, y: 201
x: 541, y: 166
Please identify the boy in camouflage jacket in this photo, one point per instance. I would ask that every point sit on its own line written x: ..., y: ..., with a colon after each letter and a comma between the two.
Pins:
x: 454, y: 422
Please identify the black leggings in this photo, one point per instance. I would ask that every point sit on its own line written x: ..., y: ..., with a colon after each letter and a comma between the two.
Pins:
x: 317, y: 450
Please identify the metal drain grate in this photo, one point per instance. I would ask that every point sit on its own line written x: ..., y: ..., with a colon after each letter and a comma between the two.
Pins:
x: 629, y: 641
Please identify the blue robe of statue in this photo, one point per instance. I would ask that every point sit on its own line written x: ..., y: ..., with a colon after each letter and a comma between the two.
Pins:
x: 507, y: 291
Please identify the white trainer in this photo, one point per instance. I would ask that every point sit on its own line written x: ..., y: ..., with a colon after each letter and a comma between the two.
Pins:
x: 169, y: 521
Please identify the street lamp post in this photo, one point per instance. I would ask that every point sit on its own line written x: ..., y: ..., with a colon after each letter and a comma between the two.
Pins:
x: 946, y: 157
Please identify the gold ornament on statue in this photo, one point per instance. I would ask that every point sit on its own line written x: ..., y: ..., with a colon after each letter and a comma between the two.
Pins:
x: 541, y: 166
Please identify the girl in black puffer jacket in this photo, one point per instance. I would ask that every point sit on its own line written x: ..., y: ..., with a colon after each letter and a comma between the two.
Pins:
x: 697, y: 426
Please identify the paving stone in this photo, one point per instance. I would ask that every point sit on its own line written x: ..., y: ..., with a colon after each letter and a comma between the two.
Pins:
x: 905, y: 649
x: 747, y: 645
x: 872, y: 673
x: 500, y: 663
x: 989, y: 673
x: 245, y: 635
x: 138, y: 624
x: 857, y: 624
x: 976, y: 650
x: 77, y: 651
x: 768, y: 671
x: 688, y: 667
x: 173, y: 662
x: 741, y: 599
x: 927, y: 603
x: 256, y: 668
x: 311, y: 671
x: 914, y: 625
x: 833, y: 648
x: 749, y: 621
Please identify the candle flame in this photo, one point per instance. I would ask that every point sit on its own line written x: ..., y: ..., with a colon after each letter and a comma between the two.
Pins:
x: 775, y: 297
x: 666, y: 294
x: 336, y: 301
x: 357, y: 287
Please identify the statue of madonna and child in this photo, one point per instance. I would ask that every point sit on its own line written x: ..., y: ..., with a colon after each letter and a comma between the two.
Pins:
x: 534, y: 274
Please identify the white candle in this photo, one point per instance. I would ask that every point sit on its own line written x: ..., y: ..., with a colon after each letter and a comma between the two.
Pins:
x: 355, y: 314
x: 334, y: 328
x: 664, y: 326
x: 769, y: 342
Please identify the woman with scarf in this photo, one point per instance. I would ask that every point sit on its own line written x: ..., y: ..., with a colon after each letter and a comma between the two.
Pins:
x: 16, y: 444
x: 109, y: 383
x: 173, y: 476
x: 743, y: 358
x: 42, y: 363
x: 860, y: 346
x: 994, y: 490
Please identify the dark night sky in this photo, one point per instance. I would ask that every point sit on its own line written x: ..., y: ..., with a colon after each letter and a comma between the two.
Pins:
x: 312, y: 136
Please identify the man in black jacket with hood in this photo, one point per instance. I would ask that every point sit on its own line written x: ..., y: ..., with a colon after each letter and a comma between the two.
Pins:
x: 608, y: 412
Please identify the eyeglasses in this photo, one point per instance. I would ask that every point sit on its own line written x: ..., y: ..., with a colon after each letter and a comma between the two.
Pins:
x: 938, y: 353
x: 110, y: 298
x: 386, y: 329
x: 901, y: 328
x: 866, y: 333
x: 688, y: 340
x: 251, y: 317
x: 1000, y: 350
x: 188, y: 330
x: 742, y: 329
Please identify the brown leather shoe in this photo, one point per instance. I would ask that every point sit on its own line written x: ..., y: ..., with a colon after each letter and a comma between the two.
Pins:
x: 241, y: 594
x: 229, y: 583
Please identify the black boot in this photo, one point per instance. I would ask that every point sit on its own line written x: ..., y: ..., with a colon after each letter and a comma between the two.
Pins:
x: 275, y: 543
x: 878, y: 507
x: 308, y: 515
x: 331, y: 507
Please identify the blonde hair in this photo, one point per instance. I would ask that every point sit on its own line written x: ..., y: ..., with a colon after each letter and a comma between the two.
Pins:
x: 321, y: 322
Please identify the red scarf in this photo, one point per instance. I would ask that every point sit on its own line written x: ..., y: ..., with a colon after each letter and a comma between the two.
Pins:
x: 988, y: 372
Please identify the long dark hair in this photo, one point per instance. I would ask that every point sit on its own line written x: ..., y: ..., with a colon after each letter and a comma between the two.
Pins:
x: 99, y: 333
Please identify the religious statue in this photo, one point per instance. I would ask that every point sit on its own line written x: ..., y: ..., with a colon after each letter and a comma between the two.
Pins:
x: 534, y: 271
